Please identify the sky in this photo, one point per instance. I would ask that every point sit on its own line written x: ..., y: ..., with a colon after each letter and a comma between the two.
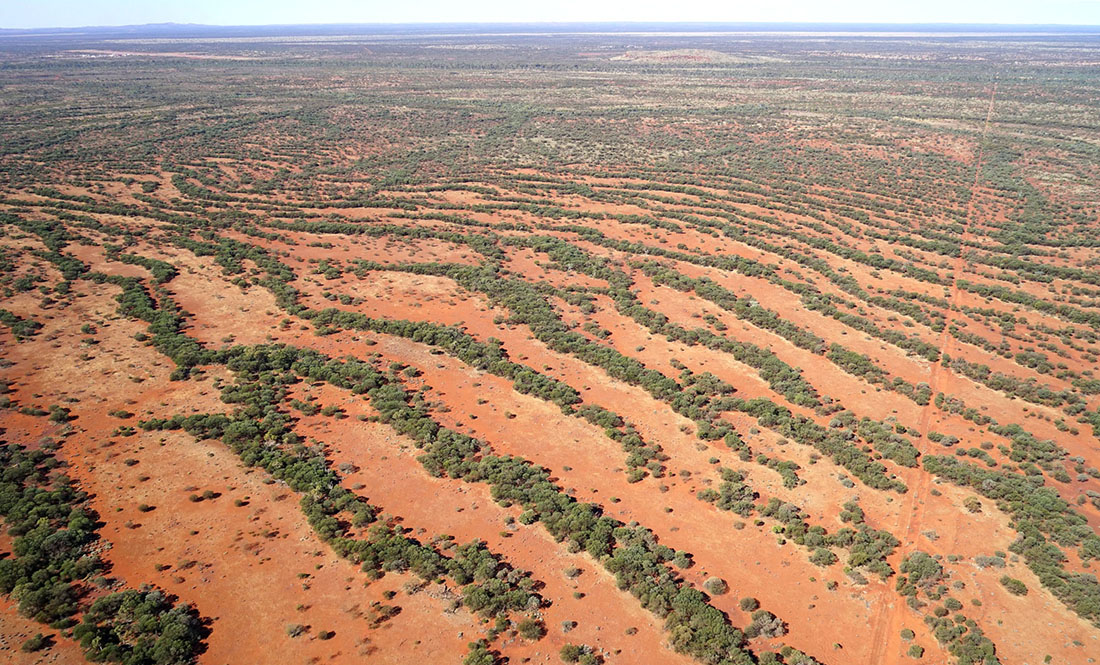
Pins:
x: 77, y: 13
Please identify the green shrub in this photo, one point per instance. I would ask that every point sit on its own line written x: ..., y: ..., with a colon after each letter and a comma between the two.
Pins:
x: 35, y: 643
x: 716, y: 586
x: 1014, y: 586
x: 531, y: 629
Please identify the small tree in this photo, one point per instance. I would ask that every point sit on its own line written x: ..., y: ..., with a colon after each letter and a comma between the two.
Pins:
x: 823, y: 557
x: 1014, y: 586
x: 716, y: 586
x: 765, y: 624
x: 531, y: 629
x: 36, y: 643
x: 479, y: 654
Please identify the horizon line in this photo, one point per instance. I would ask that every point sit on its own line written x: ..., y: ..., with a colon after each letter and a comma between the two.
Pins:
x: 756, y: 24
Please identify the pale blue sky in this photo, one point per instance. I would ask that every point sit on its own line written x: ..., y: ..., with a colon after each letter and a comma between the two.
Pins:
x: 72, y: 13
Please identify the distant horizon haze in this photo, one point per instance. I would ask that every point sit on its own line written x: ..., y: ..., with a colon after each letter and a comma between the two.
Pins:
x: 46, y: 14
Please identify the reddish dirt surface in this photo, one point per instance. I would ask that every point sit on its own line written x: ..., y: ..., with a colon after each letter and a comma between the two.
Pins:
x: 227, y: 559
x: 15, y: 629
x: 398, y: 182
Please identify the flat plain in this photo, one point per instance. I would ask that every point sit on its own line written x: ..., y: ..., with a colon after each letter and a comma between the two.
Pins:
x: 518, y: 346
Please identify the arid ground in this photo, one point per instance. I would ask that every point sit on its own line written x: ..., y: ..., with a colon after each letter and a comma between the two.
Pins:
x: 529, y: 348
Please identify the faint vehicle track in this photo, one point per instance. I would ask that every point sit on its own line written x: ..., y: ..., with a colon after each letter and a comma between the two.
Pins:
x: 886, y: 629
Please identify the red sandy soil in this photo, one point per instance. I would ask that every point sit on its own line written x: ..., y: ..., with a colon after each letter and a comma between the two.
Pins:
x: 531, y: 548
x: 248, y: 559
x: 948, y: 520
x: 435, y: 506
x: 584, y: 459
x: 240, y: 565
x: 591, y: 441
x: 15, y: 629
